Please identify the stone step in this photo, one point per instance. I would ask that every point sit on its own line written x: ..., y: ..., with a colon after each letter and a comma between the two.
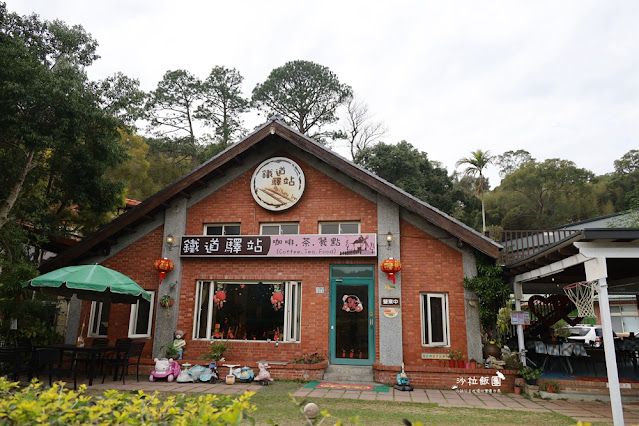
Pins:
x: 349, y: 374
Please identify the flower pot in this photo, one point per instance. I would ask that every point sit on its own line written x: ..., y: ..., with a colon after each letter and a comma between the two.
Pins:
x: 452, y: 363
x: 473, y: 365
x: 517, y: 390
x: 532, y: 382
x: 491, y: 349
x: 461, y: 363
x: 550, y: 389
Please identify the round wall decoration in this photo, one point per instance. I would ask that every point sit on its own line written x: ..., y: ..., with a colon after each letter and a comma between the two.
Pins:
x: 277, y: 184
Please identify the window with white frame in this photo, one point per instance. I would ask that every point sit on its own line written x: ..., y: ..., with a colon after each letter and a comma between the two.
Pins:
x: 435, y: 324
x: 99, y: 319
x: 339, y: 228
x: 624, y: 318
x: 141, y: 318
x: 222, y: 229
x: 291, y: 228
x: 248, y: 310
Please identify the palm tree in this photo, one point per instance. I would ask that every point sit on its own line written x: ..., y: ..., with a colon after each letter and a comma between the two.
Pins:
x: 477, y: 162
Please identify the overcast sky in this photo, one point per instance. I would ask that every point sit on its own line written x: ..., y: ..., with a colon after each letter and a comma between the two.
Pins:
x: 557, y: 78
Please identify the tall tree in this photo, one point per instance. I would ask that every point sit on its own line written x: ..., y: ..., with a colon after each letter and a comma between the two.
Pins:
x: 223, y: 104
x: 170, y: 109
x: 57, y: 142
x: 624, y: 181
x: 476, y: 164
x: 359, y: 129
x: 121, y: 97
x: 305, y: 94
x: 411, y: 170
x: 56, y: 145
x: 510, y: 161
x: 543, y: 195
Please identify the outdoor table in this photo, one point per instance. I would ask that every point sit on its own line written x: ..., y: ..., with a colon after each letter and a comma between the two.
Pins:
x: 560, y: 351
x: 94, y: 353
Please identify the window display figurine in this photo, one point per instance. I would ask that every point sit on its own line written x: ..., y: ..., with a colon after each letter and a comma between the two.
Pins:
x: 263, y: 377
x: 179, y: 343
x: 402, y: 381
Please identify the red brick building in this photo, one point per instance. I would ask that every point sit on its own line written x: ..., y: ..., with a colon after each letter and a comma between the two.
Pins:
x: 277, y: 244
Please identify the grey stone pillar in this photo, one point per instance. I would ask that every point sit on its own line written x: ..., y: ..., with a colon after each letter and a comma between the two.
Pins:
x: 471, y: 307
x: 166, y: 318
x: 390, y: 329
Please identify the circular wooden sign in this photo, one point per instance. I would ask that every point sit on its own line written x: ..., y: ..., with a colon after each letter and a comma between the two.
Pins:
x: 277, y: 184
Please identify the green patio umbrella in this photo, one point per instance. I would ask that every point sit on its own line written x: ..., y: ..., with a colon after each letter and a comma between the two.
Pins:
x: 90, y: 282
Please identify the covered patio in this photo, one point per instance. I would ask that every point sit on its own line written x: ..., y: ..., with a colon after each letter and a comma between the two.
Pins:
x: 608, y: 257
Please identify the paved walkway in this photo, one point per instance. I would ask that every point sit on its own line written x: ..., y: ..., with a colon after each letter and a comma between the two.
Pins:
x: 586, y: 411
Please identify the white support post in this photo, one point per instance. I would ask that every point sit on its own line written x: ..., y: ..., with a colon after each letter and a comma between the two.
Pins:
x: 518, y: 291
x: 596, y: 270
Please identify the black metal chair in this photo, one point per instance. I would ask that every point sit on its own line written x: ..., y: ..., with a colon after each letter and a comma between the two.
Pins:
x: 51, y: 361
x: 98, y: 359
x: 15, y: 361
x: 123, y: 359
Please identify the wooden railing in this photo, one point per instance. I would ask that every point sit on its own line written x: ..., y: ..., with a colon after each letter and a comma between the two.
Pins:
x: 521, y: 244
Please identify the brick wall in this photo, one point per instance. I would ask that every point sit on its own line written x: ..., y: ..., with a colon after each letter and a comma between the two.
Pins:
x: 429, y: 265
x: 136, y: 262
x: 324, y: 199
x: 439, y: 377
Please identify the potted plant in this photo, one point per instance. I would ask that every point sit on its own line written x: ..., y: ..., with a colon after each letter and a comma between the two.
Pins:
x: 530, y: 374
x: 473, y: 363
x: 170, y: 351
x: 216, y: 350
x: 166, y: 301
x: 550, y: 386
x: 456, y: 359
x: 517, y: 390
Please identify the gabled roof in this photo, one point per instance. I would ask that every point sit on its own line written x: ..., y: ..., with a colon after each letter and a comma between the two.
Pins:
x: 216, y: 166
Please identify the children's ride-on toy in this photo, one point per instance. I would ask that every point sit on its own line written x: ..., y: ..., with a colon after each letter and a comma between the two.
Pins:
x: 263, y: 377
x: 246, y: 375
x: 210, y: 374
x: 165, y: 368
x: 402, y: 381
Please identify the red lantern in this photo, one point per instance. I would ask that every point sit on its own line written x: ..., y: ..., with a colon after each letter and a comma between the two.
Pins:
x: 219, y: 298
x: 391, y: 267
x: 163, y: 266
x: 276, y: 300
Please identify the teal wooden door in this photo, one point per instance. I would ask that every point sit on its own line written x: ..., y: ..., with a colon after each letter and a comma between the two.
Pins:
x: 352, y: 315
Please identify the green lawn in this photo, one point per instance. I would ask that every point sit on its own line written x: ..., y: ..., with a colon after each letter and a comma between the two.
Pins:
x: 273, y: 403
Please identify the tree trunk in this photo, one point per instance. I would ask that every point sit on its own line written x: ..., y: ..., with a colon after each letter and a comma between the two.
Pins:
x: 15, y: 191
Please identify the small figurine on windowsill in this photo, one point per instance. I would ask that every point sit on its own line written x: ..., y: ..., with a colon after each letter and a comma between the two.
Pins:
x: 179, y: 343
x: 402, y: 381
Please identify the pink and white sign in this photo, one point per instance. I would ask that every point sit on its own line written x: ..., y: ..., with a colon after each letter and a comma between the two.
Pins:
x: 314, y: 245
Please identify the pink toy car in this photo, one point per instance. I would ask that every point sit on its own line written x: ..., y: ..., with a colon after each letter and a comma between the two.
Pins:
x: 165, y: 368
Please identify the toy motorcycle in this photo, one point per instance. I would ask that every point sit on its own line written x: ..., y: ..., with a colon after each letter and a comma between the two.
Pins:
x: 246, y: 375
x: 210, y: 374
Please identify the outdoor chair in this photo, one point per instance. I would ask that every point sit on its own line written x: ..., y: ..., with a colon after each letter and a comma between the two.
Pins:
x: 124, y: 359
x: 85, y: 358
x: 51, y: 361
x: 15, y: 361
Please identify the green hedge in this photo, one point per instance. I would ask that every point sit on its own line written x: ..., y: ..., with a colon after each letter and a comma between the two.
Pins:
x: 57, y: 405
